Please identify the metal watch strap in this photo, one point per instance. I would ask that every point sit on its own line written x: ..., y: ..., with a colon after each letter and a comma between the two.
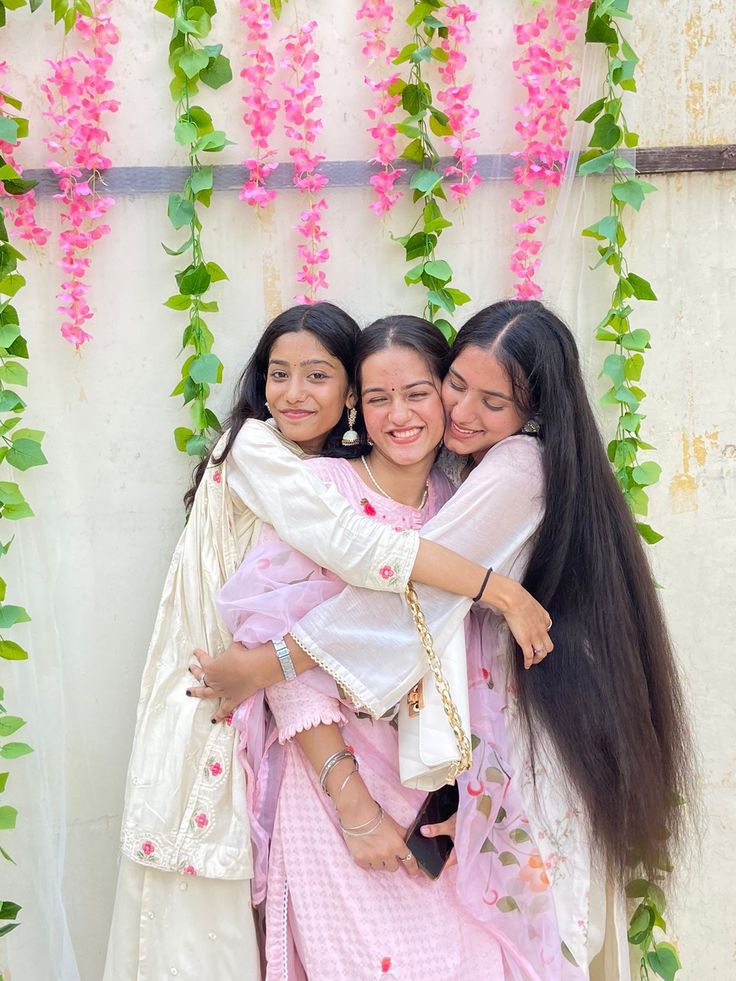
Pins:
x: 282, y: 653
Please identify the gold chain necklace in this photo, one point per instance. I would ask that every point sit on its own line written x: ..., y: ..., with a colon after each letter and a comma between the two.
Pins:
x: 380, y: 489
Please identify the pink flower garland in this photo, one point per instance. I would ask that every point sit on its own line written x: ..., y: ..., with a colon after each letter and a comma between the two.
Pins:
x: 21, y: 210
x: 75, y: 91
x: 380, y: 16
x: 302, y: 127
x: 546, y: 72
x: 456, y: 101
x: 260, y: 116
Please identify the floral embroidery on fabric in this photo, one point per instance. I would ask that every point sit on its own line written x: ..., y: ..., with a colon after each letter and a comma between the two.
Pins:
x: 200, y: 820
x: 367, y: 507
x: 187, y: 869
x: 387, y: 574
x: 217, y: 476
x: 146, y: 852
x: 212, y: 768
x: 386, y: 971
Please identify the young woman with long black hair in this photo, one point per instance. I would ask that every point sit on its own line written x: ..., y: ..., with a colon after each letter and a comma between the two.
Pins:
x: 579, y: 765
x: 183, y: 898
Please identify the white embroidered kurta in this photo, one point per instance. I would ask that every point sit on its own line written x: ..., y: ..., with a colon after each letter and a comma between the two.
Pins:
x: 185, y: 807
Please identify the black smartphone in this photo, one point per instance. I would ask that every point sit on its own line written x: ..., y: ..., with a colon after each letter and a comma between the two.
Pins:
x: 432, y: 853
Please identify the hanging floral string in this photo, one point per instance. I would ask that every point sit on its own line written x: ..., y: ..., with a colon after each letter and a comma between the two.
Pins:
x: 455, y: 99
x: 20, y: 211
x: 20, y: 448
x: 302, y: 127
x: 193, y: 62
x: 379, y: 17
x: 545, y: 70
x: 77, y: 94
x: 261, y: 108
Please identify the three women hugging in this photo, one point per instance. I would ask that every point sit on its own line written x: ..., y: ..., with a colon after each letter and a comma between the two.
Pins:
x: 324, y: 497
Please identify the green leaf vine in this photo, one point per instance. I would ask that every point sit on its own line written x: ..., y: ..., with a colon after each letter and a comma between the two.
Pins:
x: 5, y: 6
x: 423, y: 119
x: 623, y: 367
x: 67, y: 11
x: 192, y: 62
x: 609, y: 139
x: 20, y: 448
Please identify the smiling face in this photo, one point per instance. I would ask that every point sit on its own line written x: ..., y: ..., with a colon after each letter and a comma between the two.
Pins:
x: 306, y: 389
x: 478, y: 398
x: 401, y: 404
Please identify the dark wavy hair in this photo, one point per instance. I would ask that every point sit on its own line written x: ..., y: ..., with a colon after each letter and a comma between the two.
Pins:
x: 609, y: 696
x: 333, y: 328
x: 413, y: 333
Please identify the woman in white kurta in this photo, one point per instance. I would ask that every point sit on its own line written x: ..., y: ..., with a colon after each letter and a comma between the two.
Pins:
x: 182, y: 905
x: 591, y: 746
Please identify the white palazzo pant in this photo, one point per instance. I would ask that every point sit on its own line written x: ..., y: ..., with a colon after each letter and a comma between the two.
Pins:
x: 166, y: 925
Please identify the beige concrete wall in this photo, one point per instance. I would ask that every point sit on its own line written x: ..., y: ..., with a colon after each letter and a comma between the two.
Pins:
x: 108, y: 505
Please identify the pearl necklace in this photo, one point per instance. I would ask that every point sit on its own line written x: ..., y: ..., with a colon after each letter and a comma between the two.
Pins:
x: 380, y: 489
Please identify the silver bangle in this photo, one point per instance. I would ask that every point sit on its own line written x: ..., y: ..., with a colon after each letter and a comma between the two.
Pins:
x: 331, y: 762
x: 375, y: 823
x: 344, y: 784
x: 282, y: 653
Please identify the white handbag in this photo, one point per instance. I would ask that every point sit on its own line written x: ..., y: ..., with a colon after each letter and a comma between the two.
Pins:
x: 434, y: 718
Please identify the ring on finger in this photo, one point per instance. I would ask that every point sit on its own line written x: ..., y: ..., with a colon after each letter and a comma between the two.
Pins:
x: 203, y: 681
x: 406, y: 858
x: 539, y: 650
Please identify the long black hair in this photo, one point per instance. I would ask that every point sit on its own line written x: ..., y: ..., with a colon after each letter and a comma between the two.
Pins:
x: 609, y: 696
x: 333, y: 328
x: 399, y: 330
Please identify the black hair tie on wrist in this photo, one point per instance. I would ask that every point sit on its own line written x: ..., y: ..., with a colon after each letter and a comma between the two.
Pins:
x: 483, y: 586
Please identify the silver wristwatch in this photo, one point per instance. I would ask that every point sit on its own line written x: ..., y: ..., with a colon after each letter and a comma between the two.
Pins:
x: 282, y: 653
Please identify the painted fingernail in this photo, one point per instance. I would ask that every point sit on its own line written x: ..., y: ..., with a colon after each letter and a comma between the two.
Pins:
x: 189, y: 693
x: 427, y: 831
x: 213, y: 721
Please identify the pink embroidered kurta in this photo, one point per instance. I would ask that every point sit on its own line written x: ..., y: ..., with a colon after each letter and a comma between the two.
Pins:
x: 326, y: 917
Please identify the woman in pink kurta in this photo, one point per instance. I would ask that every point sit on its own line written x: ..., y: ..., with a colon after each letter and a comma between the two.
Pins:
x: 344, y: 921
x: 325, y: 915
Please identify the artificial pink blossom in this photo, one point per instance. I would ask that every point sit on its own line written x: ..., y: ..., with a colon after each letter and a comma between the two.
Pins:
x: 261, y: 108
x: 455, y: 101
x: 380, y: 16
x: 301, y: 103
x: 20, y: 210
x: 76, y: 91
x: 546, y: 72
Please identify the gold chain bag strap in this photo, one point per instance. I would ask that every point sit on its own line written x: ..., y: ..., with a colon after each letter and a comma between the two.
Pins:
x: 453, y: 716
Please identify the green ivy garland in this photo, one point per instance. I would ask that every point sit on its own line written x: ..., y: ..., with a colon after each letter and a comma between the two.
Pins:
x: 609, y: 137
x: 624, y: 367
x: 427, y: 180
x: 19, y: 447
x: 192, y: 61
